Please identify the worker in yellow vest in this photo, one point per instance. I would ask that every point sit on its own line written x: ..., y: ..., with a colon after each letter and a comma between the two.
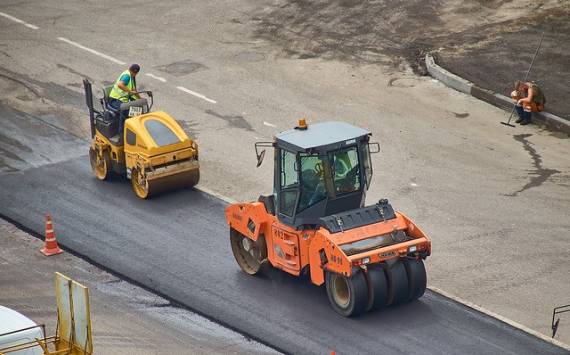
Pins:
x: 341, y: 166
x: 124, y: 90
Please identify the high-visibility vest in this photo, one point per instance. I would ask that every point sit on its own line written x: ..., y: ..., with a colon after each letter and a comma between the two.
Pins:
x: 538, y: 94
x: 117, y: 92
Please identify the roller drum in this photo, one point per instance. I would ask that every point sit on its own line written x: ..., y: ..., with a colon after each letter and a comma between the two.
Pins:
x: 158, y: 185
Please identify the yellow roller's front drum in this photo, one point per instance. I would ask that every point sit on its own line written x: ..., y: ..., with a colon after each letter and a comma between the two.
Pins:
x: 147, y: 188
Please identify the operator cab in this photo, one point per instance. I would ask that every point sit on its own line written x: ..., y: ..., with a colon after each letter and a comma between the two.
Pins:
x: 320, y: 170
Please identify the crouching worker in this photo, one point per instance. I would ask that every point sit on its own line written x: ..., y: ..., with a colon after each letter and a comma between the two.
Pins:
x: 527, y: 97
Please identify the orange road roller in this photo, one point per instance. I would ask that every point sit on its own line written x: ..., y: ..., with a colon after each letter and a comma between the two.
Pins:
x: 316, y: 222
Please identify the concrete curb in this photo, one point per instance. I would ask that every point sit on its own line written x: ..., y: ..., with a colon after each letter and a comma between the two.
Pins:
x: 460, y: 84
x: 500, y: 318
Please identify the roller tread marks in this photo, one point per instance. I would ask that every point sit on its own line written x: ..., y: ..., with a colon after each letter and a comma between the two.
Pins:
x: 382, y: 285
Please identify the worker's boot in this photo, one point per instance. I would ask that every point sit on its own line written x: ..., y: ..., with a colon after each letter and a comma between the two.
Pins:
x: 527, y: 119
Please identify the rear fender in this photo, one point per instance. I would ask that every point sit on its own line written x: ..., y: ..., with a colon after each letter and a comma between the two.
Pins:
x: 326, y: 256
x: 416, y: 232
x: 250, y: 219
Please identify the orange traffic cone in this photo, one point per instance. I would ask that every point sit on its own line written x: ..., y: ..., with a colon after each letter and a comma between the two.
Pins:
x: 51, y: 244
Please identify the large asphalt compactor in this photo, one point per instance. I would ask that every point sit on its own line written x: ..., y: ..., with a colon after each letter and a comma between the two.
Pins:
x: 316, y: 223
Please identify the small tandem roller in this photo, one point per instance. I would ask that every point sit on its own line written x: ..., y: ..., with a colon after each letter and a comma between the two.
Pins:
x: 154, y: 152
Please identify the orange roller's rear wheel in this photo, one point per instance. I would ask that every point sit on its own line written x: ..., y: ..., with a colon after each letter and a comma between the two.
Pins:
x: 347, y: 295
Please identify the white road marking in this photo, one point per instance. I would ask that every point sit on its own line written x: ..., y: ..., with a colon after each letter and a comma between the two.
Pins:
x: 92, y: 51
x: 196, y: 94
x: 19, y: 21
x: 156, y: 77
x: 269, y: 124
x: 114, y: 60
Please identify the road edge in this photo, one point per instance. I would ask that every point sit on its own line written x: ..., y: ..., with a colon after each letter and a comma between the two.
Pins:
x: 499, y: 317
x: 502, y: 101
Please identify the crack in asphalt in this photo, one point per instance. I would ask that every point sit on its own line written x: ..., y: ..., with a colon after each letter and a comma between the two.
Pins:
x: 541, y: 174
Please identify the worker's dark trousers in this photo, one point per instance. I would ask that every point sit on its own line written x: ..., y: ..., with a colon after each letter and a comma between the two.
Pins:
x: 522, y: 113
x: 116, y: 104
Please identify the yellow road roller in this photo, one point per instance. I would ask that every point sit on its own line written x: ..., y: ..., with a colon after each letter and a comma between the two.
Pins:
x: 154, y: 152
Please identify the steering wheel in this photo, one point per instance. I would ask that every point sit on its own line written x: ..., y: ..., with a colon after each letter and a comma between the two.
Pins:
x: 320, y: 170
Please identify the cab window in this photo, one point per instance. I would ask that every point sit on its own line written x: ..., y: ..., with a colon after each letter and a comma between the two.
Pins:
x: 312, y: 184
x: 289, y: 183
x: 345, y: 170
x: 131, y: 138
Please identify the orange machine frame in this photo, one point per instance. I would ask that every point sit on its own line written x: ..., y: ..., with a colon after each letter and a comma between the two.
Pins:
x: 292, y: 250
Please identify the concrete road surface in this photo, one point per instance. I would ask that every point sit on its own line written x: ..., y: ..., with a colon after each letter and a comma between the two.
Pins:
x: 494, y: 200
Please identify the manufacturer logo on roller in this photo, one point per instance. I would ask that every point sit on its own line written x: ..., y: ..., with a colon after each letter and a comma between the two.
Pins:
x: 388, y: 254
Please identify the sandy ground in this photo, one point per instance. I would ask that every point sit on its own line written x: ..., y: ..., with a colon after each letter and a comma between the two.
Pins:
x: 489, y: 42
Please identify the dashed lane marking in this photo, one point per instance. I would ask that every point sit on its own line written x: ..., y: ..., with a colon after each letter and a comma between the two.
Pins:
x: 156, y: 77
x: 19, y: 21
x: 188, y: 91
x: 114, y: 60
x: 91, y: 51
